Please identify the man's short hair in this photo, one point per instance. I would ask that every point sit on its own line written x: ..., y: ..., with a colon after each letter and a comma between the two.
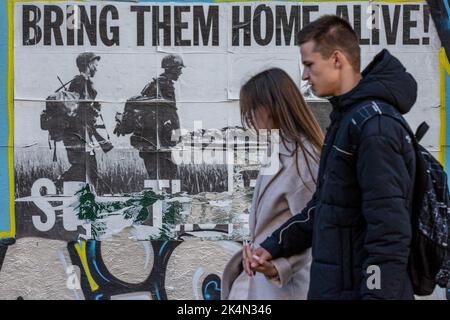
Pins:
x: 329, y: 33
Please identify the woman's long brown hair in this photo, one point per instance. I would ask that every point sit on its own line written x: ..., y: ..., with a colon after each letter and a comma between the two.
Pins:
x: 274, y: 89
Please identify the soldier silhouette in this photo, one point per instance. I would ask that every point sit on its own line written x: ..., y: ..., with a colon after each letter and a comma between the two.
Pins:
x: 151, y: 117
x: 81, y: 125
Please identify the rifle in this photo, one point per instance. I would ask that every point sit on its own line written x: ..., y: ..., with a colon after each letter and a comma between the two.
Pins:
x: 105, y: 144
x: 63, y: 85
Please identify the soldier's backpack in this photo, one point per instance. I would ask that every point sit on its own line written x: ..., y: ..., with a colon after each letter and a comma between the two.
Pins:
x: 151, y: 122
x: 55, y: 117
x: 130, y: 121
x: 429, y: 261
x: 57, y: 107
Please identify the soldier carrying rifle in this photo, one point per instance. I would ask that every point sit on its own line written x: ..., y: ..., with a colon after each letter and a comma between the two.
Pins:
x: 71, y: 116
x: 151, y: 118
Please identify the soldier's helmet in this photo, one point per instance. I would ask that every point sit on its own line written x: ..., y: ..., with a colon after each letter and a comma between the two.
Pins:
x: 172, y: 61
x: 84, y: 59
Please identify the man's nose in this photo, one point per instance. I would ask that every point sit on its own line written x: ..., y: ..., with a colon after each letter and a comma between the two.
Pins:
x: 305, y: 74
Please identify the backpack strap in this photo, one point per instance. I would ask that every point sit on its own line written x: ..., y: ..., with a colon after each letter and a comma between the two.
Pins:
x: 360, y: 115
x: 63, y: 85
x: 421, y: 130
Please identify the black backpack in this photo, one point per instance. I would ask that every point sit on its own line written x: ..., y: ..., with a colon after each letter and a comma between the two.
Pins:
x: 151, y: 121
x: 54, y: 118
x: 429, y: 261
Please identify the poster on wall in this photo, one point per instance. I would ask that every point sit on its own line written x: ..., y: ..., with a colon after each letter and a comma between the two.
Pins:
x: 136, y: 97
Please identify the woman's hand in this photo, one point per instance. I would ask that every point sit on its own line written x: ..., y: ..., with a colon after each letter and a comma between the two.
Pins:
x: 253, y: 262
x: 265, y: 267
x: 247, y: 252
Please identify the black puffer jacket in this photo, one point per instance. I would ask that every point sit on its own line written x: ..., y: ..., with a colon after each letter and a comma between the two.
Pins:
x: 360, y: 213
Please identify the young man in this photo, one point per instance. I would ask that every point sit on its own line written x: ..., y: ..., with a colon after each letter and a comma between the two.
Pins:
x: 358, y: 221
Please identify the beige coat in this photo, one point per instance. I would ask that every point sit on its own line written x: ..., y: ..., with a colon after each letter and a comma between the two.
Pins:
x: 276, y: 198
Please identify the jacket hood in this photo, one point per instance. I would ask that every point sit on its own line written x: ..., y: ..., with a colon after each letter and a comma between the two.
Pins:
x: 385, y: 78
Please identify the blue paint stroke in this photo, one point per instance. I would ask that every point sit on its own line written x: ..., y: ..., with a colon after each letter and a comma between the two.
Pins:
x: 94, y: 262
x: 5, y: 223
x: 163, y: 247
x: 447, y: 7
x: 447, y: 117
x: 97, y: 297
x: 216, y: 288
x: 157, y: 292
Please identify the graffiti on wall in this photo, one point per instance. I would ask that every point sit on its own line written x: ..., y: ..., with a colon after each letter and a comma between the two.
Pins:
x: 115, y: 269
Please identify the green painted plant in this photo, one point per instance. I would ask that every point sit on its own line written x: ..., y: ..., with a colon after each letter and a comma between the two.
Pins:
x: 135, y: 208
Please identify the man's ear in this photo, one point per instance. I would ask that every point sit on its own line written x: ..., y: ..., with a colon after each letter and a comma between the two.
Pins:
x: 338, y: 57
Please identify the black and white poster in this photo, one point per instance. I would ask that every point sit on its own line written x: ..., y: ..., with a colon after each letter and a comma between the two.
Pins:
x: 128, y: 97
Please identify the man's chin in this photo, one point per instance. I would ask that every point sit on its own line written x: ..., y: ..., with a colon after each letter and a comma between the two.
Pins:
x: 314, y: 92
x: 321, y: 95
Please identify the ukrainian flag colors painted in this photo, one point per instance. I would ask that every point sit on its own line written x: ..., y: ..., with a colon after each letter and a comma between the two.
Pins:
x: 444, y: 155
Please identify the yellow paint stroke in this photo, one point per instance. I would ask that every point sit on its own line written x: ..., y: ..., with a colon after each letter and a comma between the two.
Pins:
x: 444, y: 67
x: 82, y: 254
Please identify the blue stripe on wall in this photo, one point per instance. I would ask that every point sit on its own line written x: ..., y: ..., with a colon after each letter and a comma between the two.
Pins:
x: 447, y: 119
x: 4, y: 178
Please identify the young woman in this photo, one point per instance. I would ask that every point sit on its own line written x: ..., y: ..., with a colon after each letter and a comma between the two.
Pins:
x: 271, y: 100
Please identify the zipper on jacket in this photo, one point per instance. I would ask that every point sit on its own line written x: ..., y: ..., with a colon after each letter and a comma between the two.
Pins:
x: 342, y: 151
